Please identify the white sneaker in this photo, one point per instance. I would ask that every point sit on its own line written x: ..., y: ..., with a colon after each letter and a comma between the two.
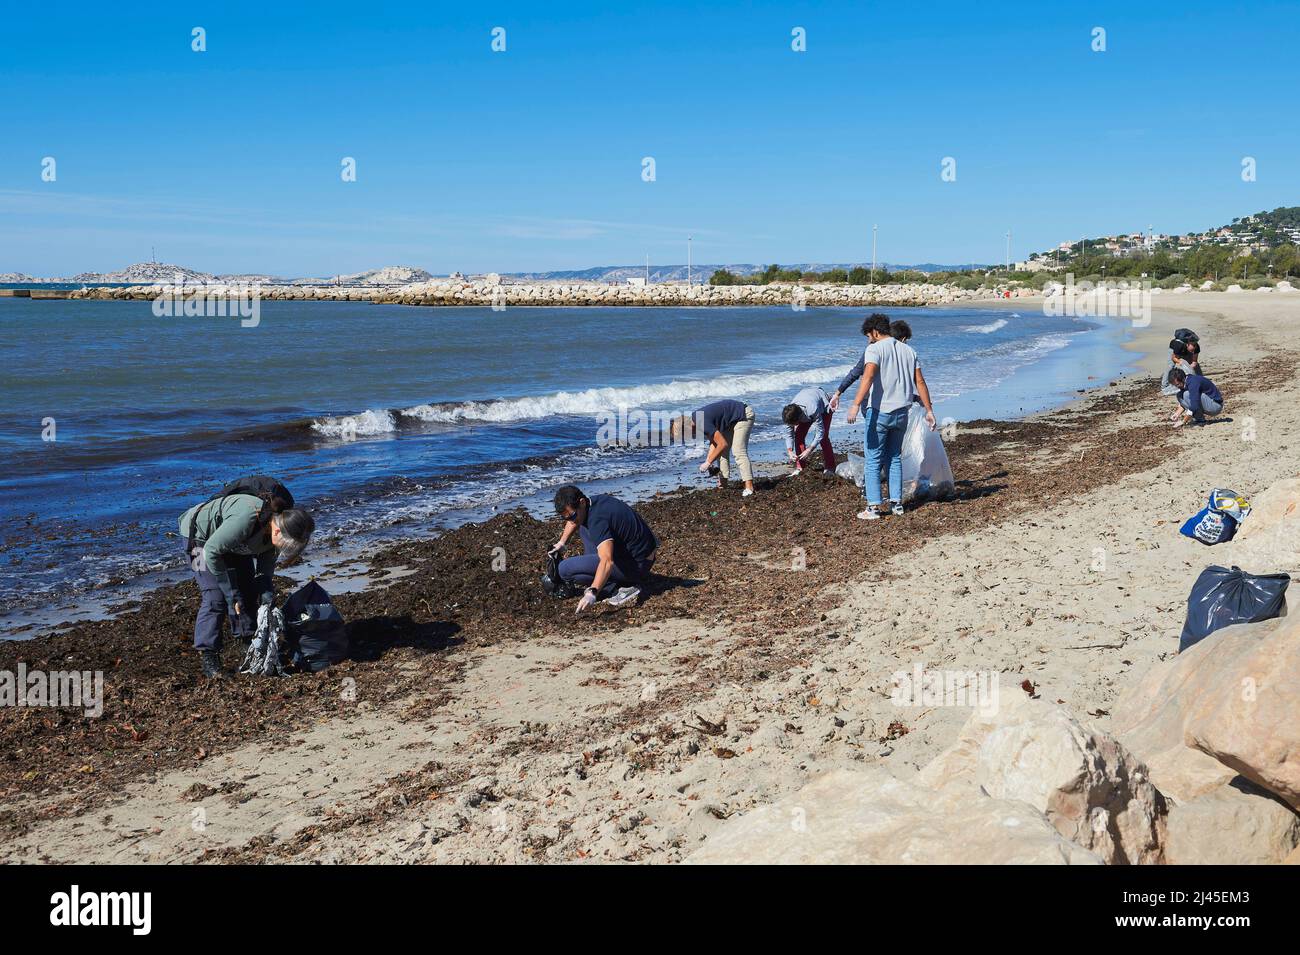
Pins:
x: 870, y: 514
x: 624, y: 595
x: 746, y: 492
x: 897, y: 510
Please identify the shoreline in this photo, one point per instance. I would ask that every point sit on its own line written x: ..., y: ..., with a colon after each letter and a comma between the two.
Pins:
x: 344, y: 565
x: 489, y: 725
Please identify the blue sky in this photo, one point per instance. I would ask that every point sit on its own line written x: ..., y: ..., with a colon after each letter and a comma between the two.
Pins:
x: 229, y: 160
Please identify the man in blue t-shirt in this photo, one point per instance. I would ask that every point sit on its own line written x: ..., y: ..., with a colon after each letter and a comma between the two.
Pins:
x: 725, y: 425
x: 618, y: 546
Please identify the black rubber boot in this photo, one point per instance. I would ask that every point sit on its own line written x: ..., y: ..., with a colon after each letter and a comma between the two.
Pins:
x: 210, y: 661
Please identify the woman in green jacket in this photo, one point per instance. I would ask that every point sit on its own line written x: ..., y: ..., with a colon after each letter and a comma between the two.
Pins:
x: 233, y: 543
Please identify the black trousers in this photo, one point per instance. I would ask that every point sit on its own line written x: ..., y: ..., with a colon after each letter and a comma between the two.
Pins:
x: 213, y: 609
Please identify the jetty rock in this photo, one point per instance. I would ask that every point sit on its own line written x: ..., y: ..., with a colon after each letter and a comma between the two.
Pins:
x: 855, y: 817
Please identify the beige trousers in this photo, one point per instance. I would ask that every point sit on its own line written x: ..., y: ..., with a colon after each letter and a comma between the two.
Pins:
x: 738, y: 444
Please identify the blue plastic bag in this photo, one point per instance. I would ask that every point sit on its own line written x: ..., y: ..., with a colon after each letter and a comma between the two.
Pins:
x: 1217, y: 521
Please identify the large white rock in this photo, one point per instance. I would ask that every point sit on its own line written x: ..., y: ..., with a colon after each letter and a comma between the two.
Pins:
x: 1236, y: 824
x: 1228, y: 705
x: 848, y: 817
x: 1249, y: 719
x: 1093, y: 791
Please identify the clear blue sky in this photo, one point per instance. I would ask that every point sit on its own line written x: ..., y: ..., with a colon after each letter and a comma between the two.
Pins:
x: 530, y: 159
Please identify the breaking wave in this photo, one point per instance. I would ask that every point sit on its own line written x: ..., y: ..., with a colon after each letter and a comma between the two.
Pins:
x: 590, y: 401
x: 988, y: 329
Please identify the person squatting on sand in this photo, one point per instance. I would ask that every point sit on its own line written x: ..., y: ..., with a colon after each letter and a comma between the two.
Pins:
x: 809, y: 406
x: 233, y: 542
x: 1197, y: 397
x: 725, y: 425
x: 892, y: 374
x: 618, y: 546
x: 1180, y: 358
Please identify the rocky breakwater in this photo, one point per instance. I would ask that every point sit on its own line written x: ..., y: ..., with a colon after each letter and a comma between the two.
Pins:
x: 488, y: 292
x: 218, y: 290
x: 493, y: 292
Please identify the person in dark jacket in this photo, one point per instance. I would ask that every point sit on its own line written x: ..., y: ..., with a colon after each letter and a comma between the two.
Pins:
x: 1197, y: 395
x: 725, y: 425
x: 233, y: 556
x: 618, y: 546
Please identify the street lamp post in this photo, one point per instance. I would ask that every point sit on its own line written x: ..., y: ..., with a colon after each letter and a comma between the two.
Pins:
x: 688, y: 260
x: 873, y: 253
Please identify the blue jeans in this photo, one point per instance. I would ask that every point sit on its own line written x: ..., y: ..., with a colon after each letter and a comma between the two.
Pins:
x: 884, y: 442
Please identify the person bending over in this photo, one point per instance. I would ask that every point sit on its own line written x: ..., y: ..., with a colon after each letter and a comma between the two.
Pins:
x: 725, y: 425
x: 618, y: 546
x: 1197, y: 397
x: 809, y: 406
x: 233, y: 542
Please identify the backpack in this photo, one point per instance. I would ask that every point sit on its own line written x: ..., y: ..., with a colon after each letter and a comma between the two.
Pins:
x: 314, y: 630
x: 274, y: 495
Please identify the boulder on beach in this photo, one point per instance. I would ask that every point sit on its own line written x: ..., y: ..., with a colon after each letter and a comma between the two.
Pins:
x: 1090, y: 788
x: 1236, y: 824
x: 1234, y: 288
x: 1229, y: 705
x: 851, y: 817
x: 1269, y: 539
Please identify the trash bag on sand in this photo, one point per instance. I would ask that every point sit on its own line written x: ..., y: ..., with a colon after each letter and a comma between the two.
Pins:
x: 1222, y: 597
x: 851, y: 470
x: 1217, y: 521
x: 926, y: 472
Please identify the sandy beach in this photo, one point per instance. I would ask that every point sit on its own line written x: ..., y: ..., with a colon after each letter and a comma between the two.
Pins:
x: 482, y: 722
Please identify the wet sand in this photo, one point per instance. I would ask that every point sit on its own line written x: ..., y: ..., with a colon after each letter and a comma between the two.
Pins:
x: 482, y: 721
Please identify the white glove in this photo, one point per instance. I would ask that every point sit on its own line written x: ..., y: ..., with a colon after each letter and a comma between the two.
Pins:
x: 556, y: 548
x: 587, y: 600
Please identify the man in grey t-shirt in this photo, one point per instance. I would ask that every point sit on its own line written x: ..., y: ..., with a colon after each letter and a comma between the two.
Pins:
x: 892, y: 374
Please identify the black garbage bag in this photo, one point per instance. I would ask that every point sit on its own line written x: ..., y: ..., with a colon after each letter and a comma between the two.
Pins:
x: 552, y: 583
x: 1221, y: 597
x: 314, y: 630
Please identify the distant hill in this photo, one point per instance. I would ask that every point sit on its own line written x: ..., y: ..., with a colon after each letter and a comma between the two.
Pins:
x: 148, y: 273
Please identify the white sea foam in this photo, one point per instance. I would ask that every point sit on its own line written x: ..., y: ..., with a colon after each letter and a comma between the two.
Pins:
x: 988, y: 329
x: 673, y: 394
x: 357, y: 425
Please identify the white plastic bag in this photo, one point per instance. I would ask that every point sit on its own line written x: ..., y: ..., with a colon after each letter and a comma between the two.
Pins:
x: 852, y: 468
x: 926, y: 472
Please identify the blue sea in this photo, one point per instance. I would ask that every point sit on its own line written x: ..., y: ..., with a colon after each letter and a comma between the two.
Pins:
x: 400, y: 421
